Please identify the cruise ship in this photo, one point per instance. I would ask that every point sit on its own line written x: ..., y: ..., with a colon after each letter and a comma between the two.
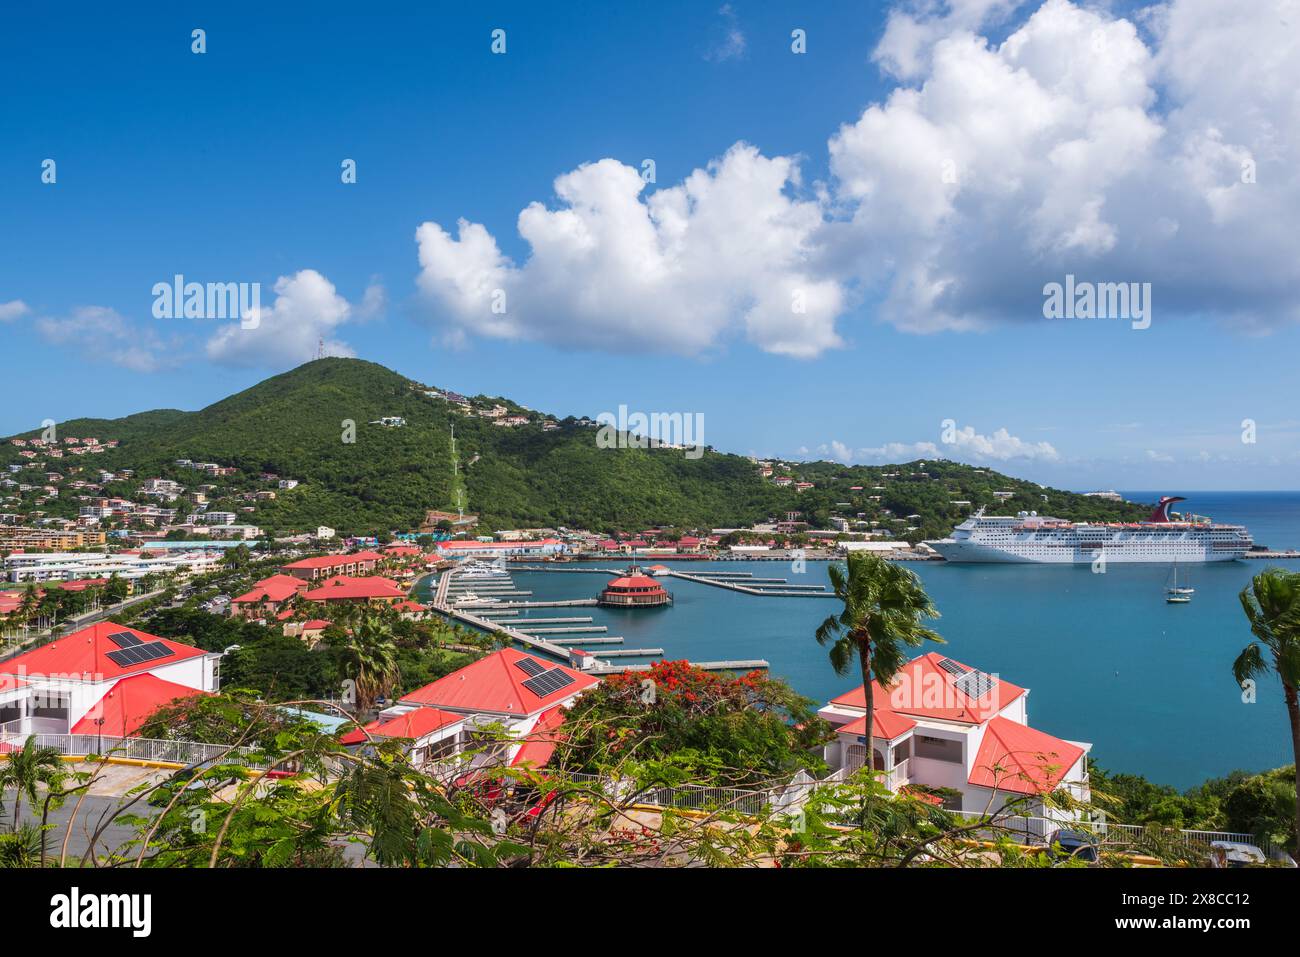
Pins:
x: 1030, y: 537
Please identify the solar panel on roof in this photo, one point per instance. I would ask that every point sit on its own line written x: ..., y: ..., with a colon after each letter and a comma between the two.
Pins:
x: 154, y: 650
x: 975, y: 684
x: 548, y: 682
x: 952, y: 667
x: 124, y: 639
x: 140, y: 653
x: 530, y: 667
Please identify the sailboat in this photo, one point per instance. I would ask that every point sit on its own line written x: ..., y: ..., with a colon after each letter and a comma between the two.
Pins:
x: 1176, y: 594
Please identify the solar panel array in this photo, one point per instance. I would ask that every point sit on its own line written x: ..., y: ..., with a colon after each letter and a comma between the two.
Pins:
x: 139, y: 653
x: 950, y: 666
x: 530, y: 667
x: 124, y: 639
x: 975, y: 684
x: 548, y: 682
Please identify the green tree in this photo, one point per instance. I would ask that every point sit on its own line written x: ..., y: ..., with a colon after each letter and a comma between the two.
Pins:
x: 884, y: 604
x: 1272, y: 606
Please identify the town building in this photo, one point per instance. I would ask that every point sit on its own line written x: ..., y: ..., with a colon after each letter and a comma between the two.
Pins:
x: 12, y: 537
x: 942, y: 724
x: 102, y: 680
x: 325, y: 566
x: 523, y: 695
x: 370, y: 590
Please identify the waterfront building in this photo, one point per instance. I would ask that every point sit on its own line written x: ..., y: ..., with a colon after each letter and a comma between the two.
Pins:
x: 635, y: 590
x: 542, y: 548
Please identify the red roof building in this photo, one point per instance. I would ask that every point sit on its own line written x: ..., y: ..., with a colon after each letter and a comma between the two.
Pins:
x: 268, y: 597
x: 342, y: 588
x: 129, y: 703
x: 100, y: 672
x: 415, y: 724
x: 496, y: 685
x: 943, y: 724
x: 323, y: 566
x: 635, y: 591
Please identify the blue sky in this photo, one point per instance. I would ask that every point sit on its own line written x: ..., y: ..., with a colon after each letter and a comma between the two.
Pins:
x: 225, y: 166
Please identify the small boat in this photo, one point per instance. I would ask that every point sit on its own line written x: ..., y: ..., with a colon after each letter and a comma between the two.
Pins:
x: 1176, y: 594
x: 469, y: 598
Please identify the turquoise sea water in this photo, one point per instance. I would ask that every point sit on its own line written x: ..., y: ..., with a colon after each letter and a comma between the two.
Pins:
x: 1105, y: 658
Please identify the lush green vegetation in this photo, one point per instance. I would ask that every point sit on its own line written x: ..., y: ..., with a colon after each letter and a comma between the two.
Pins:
x: 295, y: 425
x: 1262, y: 804
x: 381, y: 654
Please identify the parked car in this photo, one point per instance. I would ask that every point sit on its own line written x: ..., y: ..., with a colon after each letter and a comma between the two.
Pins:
x: 1077, y: 845
x: 1236, y: 854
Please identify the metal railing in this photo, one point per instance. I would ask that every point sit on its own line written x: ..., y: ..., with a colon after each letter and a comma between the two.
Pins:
x: 138, y: 749
x: 1039, y: 830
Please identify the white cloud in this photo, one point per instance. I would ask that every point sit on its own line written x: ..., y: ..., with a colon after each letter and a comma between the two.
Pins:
x: 966, y: 445
x: 1074, y: 146
x: 15, y: 309
x: 1162, y: 457
x: 732, y: 45
x: 728, y: 251
x: 306, y: 311
x: 900, y: 452
x: 1077, y: 144
x: 102, y: 334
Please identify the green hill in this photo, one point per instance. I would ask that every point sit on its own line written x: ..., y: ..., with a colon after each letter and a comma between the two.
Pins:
x: 294, y: 425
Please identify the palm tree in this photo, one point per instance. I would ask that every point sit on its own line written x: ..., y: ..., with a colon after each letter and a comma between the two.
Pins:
x: 370, y: 660
x: 26, y: 769
x: 1272, y: 605
x: 883, y: 607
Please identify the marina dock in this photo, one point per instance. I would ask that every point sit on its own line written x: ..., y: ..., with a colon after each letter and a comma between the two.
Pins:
x: 529, y: 632
x: 741, y: 584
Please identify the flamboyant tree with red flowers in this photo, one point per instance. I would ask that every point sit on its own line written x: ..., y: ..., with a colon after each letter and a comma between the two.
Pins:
x: 737, y: 729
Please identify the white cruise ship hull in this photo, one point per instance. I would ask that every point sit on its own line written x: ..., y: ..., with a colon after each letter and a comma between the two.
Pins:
x: 1031, y: 538
x: 1064, y: 554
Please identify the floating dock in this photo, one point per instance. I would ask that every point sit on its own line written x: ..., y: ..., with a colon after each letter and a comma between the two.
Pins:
x: 775, y: 591
x: 756, y: 664
x: 562, y: 630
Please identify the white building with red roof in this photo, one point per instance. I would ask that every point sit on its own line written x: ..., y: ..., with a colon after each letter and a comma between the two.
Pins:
x: 532, y: 549
x: 104, y: 679
x: 943, y: 724
x: 517, y: 692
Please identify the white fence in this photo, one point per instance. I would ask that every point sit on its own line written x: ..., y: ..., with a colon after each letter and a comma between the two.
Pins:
x: 138, y: 749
